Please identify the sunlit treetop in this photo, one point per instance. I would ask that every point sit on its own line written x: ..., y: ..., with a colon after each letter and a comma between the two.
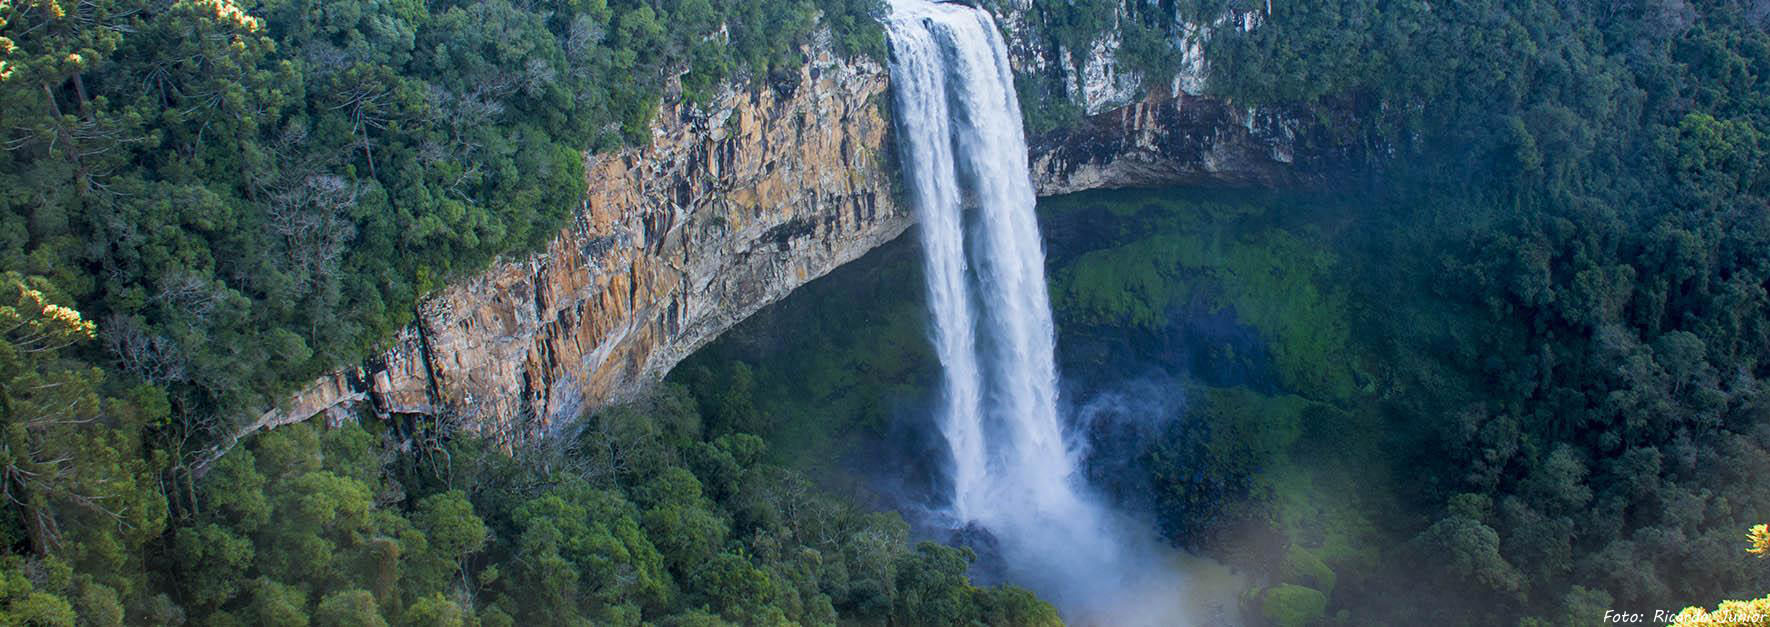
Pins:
x: 226, y: 10
x: 34, y: 322
x: 6, y: 46
x: 1728, y: 614
x: 1735, y: 613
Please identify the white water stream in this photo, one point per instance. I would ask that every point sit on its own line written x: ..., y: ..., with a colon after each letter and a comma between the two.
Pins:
x: 965, y: 167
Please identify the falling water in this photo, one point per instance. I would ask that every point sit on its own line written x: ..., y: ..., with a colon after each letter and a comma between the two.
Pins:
x: 959, y: 134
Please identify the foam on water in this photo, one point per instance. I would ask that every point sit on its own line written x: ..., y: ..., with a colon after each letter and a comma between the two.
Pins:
x: 1012, y: 473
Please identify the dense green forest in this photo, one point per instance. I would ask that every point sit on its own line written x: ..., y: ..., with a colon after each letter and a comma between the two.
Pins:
x: 1561, y: 249
x: 206, y: 202
x: 1568, y: 255
x: 245, y: 195
x: 1342, y: 432
x: 1249, y: 370
x: 1579, y: 399
x: 1510, y: 367
x: 636, y: 517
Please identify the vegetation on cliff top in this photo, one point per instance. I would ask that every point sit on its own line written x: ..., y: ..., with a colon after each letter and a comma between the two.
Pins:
x: 1578, y: 216
x: 1558, y: 275
x: 1528, y: 381
x: 243, y: 195
x: 204, y: 203
x: 638, y: 516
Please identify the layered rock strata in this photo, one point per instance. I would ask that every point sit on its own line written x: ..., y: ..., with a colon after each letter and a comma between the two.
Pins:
x: 731, y: 206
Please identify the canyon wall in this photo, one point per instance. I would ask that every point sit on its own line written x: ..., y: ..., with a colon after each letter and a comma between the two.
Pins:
x: 733, y: 205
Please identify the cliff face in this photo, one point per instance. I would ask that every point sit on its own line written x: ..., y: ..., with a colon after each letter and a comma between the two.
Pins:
x: 732, y: 206
x: 1093, y: 76
x: 1169, y: 140
x: 725, y: 211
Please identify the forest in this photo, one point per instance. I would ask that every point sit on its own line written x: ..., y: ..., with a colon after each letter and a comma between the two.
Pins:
x: 1509, y: 370
x: 245, y: 195
x: 206, y: 202
x: 1512, y: 362
x: 1580, y: 409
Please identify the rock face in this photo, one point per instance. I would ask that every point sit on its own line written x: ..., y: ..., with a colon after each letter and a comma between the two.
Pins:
x: 732, y: 206
x: 723, y: 213
x: 1093, y: 77
x: 1169, y: 140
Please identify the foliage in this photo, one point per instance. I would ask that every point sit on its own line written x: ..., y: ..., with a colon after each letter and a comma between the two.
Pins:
x: 205, y: 203
x: 634, y: 519
x: 827, y: 376
x: 1292, y: 606
x: 1565, y: 263
x: 79, y: 493
x: 1734, y: 613
x: 244, y: 195
x: 1159, y: 254
x: 1727, y: 614
x: 1505, y: 508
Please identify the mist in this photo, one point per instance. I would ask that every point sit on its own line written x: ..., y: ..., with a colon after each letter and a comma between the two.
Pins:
x: 1018, y: 493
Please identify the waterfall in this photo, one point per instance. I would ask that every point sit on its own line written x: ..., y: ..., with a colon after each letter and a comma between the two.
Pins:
x: 965, y: 168
x: 962, y: 145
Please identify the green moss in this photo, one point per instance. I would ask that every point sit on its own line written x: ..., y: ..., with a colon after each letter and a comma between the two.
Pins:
x: 1175, y: 251
x: 1305, y: 569
x: 1250, y: 425
x: 830, y: 364
x: 1290, y: 605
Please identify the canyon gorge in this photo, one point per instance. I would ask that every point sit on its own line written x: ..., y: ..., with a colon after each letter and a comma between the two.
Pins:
x: 737, y: 202
x: 883, y: 312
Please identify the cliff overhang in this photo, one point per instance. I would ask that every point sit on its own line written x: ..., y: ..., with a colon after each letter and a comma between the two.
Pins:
x: 732, y: 206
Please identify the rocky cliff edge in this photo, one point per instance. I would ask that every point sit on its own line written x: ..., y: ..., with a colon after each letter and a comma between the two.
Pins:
x: 733, y: 205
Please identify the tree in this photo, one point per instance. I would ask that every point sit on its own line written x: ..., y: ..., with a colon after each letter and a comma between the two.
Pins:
x: 583, y: 553
x: 435, y: 611
x: 1290, y: 605
x: 278, y: 605
x: 1735, y: 613
x: 452, y: 531
x: 1470, y: 550
x: 348, y: 608
x: 72, y: 476
x: 21, y: 603
x: 1727, y: 614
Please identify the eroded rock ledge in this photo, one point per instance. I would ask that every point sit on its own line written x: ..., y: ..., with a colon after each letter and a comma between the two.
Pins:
x: 731, y: 207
